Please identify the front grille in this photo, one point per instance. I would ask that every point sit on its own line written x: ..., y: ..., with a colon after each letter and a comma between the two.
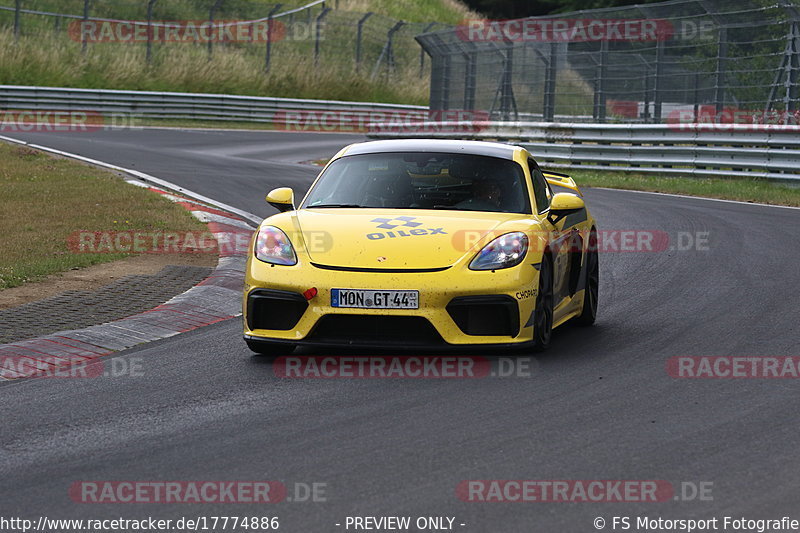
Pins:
x: 271, y: 309
x: 353, y: 330
x: 485, y: 315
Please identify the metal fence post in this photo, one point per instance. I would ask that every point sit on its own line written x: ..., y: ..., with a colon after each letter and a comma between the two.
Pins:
x: 387, y: 51
x: 470, y: 73
x: 428, y: 28
x: 549, y: 103
x: 791, y: 55
x: 269, y: 36
x: 792, y: 73
x: 17, y: 8
x: 447, y: 72
x: 722, y: 56
x: 150, y: 4
x: 390, y: 62
x: 646, y: 102
x: 440, y: 71
x: 359, y: 34
x: 505, y: 91
x: 509, y: 101
x: 658, y: 95
x: 319, y: 34
x: 600, y: 83
x: 84, y: 42
x: 212, y: 12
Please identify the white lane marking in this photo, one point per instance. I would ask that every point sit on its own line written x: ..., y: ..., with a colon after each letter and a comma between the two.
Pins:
x: 695, y: 197
x: 146, y: 177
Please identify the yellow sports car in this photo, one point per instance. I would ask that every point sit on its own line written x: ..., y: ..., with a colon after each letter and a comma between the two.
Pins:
x: 422, y: 244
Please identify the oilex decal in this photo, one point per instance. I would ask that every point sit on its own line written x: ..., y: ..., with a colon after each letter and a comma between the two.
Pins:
x: 402, y: 227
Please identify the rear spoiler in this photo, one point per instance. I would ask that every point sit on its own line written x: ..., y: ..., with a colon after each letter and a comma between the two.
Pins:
x: 561, y: 180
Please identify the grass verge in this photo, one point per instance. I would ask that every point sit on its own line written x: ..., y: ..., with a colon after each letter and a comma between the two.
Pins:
x: 45, y: 199
x: 741, y: 189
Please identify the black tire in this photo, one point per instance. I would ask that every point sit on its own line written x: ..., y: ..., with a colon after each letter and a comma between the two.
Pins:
x: 269, y: 348
x: 543, y: 313
x: 592, y: 288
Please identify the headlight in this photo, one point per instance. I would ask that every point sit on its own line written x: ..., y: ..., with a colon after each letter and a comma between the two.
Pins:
x: 504, y: 252
x: 273, y: 246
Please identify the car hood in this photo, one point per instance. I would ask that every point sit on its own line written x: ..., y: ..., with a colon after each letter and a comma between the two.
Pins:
x: 393, y: 238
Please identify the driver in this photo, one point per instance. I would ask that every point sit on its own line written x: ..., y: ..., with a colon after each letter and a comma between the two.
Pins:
x: 486, y: 196
x: 487, y: 191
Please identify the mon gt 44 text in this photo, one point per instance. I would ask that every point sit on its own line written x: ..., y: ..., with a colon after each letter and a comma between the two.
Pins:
x: 422, y: 243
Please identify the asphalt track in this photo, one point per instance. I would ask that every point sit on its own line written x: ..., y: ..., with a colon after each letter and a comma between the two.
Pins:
x: 598, y: 405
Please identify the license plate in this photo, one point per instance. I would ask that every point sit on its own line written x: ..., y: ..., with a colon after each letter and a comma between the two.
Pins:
x: 368, y: 299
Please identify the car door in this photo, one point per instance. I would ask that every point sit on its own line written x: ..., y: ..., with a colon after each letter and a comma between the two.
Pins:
x: 564, y: 242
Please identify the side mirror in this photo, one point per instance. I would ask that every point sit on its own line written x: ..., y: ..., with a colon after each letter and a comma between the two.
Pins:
x: 281, y: 199
x: 563, y: 204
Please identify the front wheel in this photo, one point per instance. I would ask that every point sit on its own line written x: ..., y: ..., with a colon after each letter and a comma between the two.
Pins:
x: 543, y: 313
x: 592, y: 273
x: 269, y: 348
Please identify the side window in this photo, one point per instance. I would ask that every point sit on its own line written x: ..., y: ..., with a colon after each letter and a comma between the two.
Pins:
x: 540, y: 188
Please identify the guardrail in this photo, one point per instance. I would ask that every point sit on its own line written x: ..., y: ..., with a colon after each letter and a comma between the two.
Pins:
x: 749, y: 150
x: 209, y: 107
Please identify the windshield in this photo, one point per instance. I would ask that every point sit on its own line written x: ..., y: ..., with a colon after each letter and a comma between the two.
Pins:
x: 422, y: 181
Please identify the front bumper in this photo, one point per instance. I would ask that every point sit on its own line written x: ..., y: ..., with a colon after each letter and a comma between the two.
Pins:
x: 457, y: 307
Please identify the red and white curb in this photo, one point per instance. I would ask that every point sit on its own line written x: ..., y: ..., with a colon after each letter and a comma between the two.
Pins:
x: 216, y: 298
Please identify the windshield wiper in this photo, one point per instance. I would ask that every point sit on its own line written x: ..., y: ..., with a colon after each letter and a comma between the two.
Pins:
x: 333, y: 205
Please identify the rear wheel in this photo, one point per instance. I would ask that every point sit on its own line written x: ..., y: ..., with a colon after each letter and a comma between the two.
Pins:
x: 543, y: 313
x: 592, y: 273
x: 269, y: 348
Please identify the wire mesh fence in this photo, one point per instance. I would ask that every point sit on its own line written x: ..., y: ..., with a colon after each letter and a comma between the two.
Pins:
x: 308, y: 38
x: 682, y: 61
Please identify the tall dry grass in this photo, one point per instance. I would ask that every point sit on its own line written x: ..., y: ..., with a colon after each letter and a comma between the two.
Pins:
x: 49, y: 59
